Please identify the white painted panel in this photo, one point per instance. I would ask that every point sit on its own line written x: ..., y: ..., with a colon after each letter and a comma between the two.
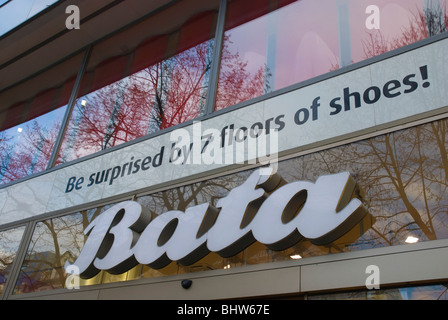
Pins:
x: 402, y: 267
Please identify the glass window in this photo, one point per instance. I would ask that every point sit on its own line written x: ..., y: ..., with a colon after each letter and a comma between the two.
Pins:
x: 269, y: 45
x: 9, y: 245
x: 26, y: 148
x: 161, y: 83
x: 403, y: 178
x: 402, y: 22
x: 31, y: 114
x: 54, y: 242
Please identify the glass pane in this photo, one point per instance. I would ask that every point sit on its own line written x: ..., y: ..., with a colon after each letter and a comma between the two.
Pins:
x: 403, y: 178
x: 54, y: 242
x: 402, y: 22
x: 161, y: 84
x: 268, y: 47
x: 9, y: 245
x: 26, y: 148
x: 31, y: 114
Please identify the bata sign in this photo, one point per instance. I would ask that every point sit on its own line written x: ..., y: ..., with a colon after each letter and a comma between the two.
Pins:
x: 264, y: 208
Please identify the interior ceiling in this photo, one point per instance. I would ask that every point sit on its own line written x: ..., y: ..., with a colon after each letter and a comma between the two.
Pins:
x: 44, y: 39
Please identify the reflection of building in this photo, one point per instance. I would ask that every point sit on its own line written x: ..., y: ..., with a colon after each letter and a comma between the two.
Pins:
x: 108, y: 113
x: 41, y: 271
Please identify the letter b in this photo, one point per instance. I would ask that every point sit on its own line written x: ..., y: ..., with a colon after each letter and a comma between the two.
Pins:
x: 70, y: 185
x: 111, y: 236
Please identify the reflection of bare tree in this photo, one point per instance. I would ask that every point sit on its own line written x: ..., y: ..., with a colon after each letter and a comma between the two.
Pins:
x: 29, y: 153
x: 180, y: 198
x: 54, y: 242
x: 162, y: 95
x: 401, y: 178
x: 159, y: 96
x: 236, y: 83
x: 9, y: 244
x: 60, y: 239
x: 423, y: 24
x: 439, y: 130
x: 404, y: 178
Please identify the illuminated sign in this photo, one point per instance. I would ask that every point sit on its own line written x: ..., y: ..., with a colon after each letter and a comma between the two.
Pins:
x: 264, y: 208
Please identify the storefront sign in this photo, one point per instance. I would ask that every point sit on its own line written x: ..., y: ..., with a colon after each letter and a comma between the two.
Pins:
x: 380, y: 95
x: 264, y: 208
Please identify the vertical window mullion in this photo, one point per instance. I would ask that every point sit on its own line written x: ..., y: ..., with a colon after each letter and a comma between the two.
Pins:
x: 216, y: 62
x: 68, y: 112
x: 345, y: 44
x: 271, y: 53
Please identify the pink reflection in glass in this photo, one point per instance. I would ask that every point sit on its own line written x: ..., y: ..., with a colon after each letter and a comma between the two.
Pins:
x: 294, y: 43
x: 160, y: 92
x: 26, y: 148
x: 402, y: 22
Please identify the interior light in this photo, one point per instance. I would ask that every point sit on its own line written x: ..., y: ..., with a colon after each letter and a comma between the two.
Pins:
x: 19, y: 130
x: 83, y: 102
x: 411, y: 239
x: 296, y: 256
x: 227, y: 266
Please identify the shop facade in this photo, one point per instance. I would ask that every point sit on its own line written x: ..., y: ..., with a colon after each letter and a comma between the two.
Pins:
x: 277, y: 149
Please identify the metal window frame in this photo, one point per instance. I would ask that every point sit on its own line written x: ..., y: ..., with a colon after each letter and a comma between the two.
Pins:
x: 69, y: 110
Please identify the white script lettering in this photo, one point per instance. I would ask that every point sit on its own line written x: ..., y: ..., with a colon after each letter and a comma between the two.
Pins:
x: 264, y: 208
